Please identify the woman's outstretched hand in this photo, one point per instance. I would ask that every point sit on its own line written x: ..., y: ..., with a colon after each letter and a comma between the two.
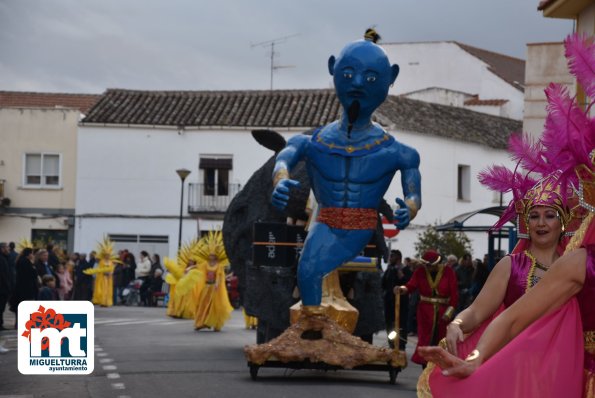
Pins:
x: 451, y: 365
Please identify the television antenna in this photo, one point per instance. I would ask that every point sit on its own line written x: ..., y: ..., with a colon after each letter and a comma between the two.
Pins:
x: 272, y: 43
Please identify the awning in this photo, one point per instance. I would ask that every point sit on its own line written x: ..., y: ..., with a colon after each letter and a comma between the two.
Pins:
x: 458, y: 223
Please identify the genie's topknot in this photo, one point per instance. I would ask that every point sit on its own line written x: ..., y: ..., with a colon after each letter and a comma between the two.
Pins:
x: 372, y: 35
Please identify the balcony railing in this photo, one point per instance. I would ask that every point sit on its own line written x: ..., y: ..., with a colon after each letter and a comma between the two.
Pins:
x: 210, y: 198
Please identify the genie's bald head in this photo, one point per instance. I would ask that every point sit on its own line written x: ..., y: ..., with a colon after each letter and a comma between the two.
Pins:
x: 362, y: 72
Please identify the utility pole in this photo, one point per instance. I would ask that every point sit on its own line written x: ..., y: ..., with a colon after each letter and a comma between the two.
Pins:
x: 271, y: 44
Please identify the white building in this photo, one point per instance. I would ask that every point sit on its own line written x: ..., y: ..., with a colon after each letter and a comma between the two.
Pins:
x: 132, y: 142
x: 452, y: 73
x: 38, y: 165
x: 546, y: 62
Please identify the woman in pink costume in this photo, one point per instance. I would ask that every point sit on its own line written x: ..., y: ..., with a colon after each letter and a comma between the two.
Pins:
x: 546, y: 359
x: 544, y: 221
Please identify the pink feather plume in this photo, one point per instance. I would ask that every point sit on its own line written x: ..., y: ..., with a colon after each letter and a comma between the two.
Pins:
x: 566, y: 128
x: 580, y: 52
x: 502, y: 179
x: 527, y: 153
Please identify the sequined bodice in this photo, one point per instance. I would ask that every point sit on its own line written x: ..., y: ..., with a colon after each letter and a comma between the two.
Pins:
x: 522, y: 274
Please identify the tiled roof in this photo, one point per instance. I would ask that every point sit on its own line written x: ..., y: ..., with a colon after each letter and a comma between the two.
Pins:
x: 82, y: 102
x: 485, y: 102
x: 278, y: 108
x: 508, y: 68
x: 290, y: 108
x: 448, y: 122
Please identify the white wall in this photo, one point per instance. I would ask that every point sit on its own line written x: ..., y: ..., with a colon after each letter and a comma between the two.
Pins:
x: 495, y: 110
x: 545, y: 64
x: 129, y: 174
x: 90, y: 231
x: 440, y: 158
x: 446, y: 65
x: 442, y: 96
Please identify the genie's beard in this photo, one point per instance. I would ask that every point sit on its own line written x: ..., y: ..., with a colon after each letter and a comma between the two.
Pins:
x: 352, y: 114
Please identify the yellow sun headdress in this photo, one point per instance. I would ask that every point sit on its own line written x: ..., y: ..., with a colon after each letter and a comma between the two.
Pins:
x: 187, y: 252
x: 24, y: 244
x: 105, y: 248
x: 212, y: 244
x: 176, y: 267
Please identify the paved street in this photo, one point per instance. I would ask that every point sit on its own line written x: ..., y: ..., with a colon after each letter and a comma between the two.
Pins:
x: 140, y: 352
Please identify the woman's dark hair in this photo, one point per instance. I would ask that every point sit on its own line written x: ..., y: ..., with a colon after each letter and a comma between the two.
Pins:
x: 157, y: 258
x: 130, y: 258
x: 24, y: 254
x: 144, y: 253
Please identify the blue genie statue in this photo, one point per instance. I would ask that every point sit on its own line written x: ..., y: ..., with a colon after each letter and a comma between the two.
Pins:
x: 351, y: 163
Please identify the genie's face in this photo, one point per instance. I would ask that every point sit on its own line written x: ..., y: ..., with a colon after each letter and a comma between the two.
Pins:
x: 362, y: 72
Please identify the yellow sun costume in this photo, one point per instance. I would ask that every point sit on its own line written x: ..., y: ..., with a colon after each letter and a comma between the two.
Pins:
x: 251, y: 322
x: 24, y: 244
x: 103, y: 289
x: 214, y: 307
x: 183, y: 289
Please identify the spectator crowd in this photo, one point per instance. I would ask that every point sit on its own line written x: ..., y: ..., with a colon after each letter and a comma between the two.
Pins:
x: 28, y: 273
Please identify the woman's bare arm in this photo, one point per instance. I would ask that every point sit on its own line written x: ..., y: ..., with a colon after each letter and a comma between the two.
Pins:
x: 564, y: 279
x: 489, y: 299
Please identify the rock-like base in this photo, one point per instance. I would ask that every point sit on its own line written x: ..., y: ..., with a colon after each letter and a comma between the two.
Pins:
x: 317, y: 338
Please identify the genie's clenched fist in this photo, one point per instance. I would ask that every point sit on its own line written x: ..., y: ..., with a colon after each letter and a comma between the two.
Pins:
x: 283, y: 185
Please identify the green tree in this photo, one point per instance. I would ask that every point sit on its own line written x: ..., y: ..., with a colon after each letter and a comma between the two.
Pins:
x: 449, y: 242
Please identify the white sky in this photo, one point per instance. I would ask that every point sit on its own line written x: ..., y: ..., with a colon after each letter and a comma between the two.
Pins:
x: 87, y: 46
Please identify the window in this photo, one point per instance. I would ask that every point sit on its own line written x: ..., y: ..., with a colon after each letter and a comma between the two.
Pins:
x: 58, y: 237
x: 464, y: 183
x: 42, y: 169
x: 215, y: 172
x: 152, y: 244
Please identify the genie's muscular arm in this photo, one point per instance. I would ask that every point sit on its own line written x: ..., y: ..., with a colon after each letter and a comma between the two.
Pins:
x: 411, y: 182
x: 285, y: 161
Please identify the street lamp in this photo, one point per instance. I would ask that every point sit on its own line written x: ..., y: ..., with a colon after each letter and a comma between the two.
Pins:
x: 183, y: 173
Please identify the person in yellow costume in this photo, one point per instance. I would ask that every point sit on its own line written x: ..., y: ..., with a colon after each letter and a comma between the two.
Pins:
x: 214, y: 307
x: 183, y: 285
x: 103, y: 289
x: 251, y: 322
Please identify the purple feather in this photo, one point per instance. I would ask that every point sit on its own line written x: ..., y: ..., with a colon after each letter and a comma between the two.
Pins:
x: 497, y: 178
x: 552, y: 140
x: 566, y: 126
x: 502, y: 179
x: 580, y: 52
x: 528, y: 153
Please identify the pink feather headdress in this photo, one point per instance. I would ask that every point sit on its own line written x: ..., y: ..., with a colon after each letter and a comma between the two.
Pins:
x: 567, y: 142
x: 569, y: 136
